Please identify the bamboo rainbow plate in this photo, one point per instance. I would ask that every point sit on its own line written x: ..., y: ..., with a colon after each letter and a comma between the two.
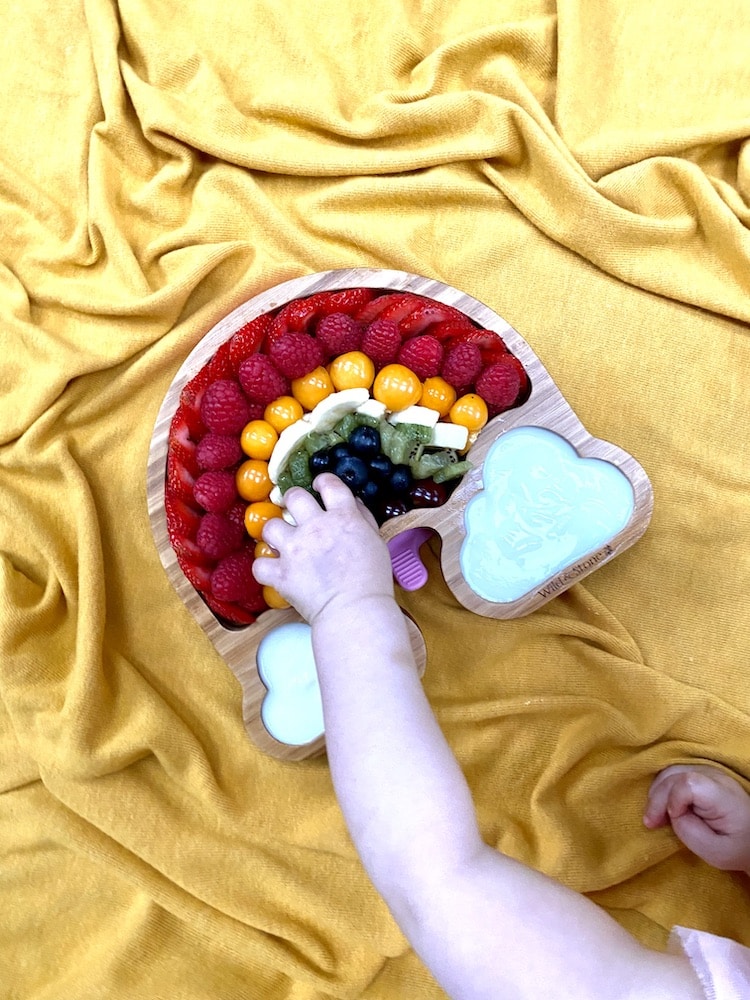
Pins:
x: 543, y: 504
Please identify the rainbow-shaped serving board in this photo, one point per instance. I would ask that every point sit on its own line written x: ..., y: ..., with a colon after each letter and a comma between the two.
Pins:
x: 544, y: 504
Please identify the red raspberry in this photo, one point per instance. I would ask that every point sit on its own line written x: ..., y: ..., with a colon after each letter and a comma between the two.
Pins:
x: 500, y: 384
x: 296, y: 354
x: 218, y: 451
x: 217, y: 536
x: 262, y: 380
x: 461, y: 365
x: 339, y: 334
x: 215, y: 491
x: 233, y: 581
x: 236, y: 513
x: 381, y: 342
x: 423, y: 355
x: 224, y: 409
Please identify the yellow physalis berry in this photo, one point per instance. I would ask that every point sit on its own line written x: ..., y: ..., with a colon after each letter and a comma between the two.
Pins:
x: 263, y: 550
x: 282, y: 412
x: 258, y: 438
x: 313, y: 387
x: 470, y: 411
x: 397, y: 387
x: 253, y: 481
x: 437, y: 394
x: 353, y: 370
x: 256, y: 515
x: 273, y: 598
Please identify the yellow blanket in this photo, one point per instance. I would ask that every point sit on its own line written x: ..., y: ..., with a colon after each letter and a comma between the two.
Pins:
x: 584, y: 170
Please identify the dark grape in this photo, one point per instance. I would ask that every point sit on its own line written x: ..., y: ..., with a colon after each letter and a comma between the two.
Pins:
x: 426, y: 493
x: 392, y: 508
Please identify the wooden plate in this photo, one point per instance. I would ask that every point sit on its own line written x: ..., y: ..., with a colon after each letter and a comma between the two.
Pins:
x: 544, y: 419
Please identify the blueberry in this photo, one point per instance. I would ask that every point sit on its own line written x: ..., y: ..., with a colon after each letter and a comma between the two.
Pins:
x: 381, y: 467
x: 364, y: 442
x: 338, y: 452
x: 401, y: 479
x: 320, y: 461
x: 352, y: 471
x: 371, y: 494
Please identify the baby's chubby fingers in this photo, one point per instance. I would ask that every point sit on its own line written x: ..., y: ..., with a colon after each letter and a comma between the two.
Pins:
x: 679, y: 789
x: 335, y: 494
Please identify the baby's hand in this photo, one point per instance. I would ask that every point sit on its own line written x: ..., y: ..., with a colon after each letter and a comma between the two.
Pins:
x: 708, y: 810
x: 333, y: 556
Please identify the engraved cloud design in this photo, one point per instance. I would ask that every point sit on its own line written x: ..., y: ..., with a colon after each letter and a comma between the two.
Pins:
x: 543, y: 508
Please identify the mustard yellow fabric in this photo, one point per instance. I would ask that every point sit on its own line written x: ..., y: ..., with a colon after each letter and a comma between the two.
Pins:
x: 584, y: 169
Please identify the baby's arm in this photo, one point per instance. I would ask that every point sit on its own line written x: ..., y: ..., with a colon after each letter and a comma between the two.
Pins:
x: 709, y: 811
x: 485, y: 925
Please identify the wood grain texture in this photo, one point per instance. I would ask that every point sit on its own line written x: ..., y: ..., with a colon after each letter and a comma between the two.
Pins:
x: 545, y: 407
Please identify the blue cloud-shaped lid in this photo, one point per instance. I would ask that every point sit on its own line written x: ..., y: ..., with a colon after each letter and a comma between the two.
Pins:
x: 542, y: 509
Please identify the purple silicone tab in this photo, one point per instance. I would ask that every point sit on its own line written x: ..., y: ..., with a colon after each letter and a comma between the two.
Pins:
x: 408, y: 569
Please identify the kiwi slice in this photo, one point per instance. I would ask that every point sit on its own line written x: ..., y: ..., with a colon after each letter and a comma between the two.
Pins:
x: 453, y: 471
x: 299, y: 468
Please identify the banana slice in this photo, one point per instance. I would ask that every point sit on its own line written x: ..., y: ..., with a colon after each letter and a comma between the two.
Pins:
x: 322, y: 418
x: 330, y: 410
x: 446, y: 435
x: 415, y: 415
x: 289, y: 441
x: 372, y: 408
x: 276, y: 496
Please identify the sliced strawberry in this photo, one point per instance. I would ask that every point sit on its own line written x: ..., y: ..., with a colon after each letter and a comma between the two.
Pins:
x: 491, y: 345
x: 348, y: 300
x: 231, y: 613
x: 248, y: 339
x: 190, y: 402
x: 451, y: 328
x: 295, y: 317
x: 427, y: 313
x: 181, y: 443
x: 182, y: 518
x: 199, y: 576
x: 220, y: 365
x: 186, y: 548
x: 511, y: 359
x: 180, y: 481
x: 403, y: 307
x: 375, y: 307
x: 299, y: 315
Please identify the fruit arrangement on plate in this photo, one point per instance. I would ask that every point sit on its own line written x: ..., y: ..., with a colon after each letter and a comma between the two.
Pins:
x: 387, y: 390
